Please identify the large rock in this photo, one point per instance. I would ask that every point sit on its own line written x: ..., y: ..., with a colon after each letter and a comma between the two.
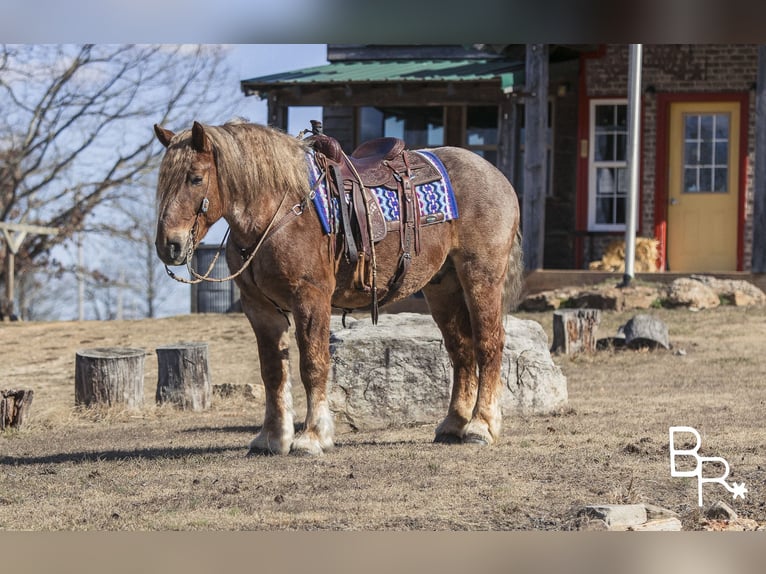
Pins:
x: 398, y: 372
x: 734, y: 291
x: 686, y: 292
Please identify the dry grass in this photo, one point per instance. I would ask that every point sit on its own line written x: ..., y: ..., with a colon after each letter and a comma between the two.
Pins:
x: 158, y: 469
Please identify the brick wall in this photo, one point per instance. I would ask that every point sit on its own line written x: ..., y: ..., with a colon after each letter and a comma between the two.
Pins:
x: 678, y: 69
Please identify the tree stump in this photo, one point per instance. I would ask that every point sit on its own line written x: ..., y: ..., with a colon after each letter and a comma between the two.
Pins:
x: 13, y: 407
x: 184, y: 379
x: 109, y: 376
x: 646, y: 331
x: 574, y: 330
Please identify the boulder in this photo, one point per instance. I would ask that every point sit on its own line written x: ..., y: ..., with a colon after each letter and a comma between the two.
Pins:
x: 687, y: 292
x: 398, y: 372
x: 733, y: 291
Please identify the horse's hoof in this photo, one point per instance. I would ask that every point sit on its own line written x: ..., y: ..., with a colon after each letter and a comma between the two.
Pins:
x: 475, y: 439
x: 446, y: 438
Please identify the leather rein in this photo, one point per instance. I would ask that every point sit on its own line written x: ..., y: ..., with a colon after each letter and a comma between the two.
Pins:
x: 274, y: 225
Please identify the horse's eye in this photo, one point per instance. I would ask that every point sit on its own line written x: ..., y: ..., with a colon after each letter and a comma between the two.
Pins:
x: 196, y: 180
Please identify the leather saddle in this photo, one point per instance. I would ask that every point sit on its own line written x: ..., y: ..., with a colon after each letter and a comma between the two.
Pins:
x: 381, y: 162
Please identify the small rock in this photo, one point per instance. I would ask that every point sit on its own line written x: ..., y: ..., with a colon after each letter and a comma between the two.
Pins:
x: 720, y: 511
x: 616, y: 516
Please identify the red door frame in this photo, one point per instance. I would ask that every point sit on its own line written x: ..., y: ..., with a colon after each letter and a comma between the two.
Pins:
x: 661, y: 163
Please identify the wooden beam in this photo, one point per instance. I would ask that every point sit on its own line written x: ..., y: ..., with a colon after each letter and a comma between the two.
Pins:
x: 535, y: 128
x: 759, y: 195
x: 14, y: 234
x: 386, y: 94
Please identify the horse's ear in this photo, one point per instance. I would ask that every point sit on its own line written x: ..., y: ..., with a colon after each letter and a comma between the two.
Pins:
x: 163, y: 135
x: 200, y: 143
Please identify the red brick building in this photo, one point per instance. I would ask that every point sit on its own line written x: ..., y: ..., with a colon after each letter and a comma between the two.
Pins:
x: 697, y: 139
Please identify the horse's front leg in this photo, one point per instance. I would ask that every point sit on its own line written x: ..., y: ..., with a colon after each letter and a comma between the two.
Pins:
x: 271, y: 332
x: 312, y: 333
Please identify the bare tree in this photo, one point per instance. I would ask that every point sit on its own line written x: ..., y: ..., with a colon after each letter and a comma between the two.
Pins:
x: 76, y: 138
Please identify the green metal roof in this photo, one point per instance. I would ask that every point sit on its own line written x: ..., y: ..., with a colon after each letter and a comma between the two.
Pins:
x: 374, y: 71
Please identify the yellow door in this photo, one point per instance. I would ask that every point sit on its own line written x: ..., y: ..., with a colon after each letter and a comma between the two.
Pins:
x: 703, y: 186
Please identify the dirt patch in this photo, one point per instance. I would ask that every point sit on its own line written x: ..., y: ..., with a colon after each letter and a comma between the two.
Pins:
x: 157, y: 468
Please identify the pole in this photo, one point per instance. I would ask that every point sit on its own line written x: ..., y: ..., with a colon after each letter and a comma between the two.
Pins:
x: 634, y: 131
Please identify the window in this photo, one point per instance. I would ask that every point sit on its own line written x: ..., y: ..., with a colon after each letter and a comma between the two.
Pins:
x: 481, y: 131
x: 706, y: 153
x: 608, y: 189
x: 419, y: 127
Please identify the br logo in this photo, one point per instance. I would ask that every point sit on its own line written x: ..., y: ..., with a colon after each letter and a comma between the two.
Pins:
x: 737, y: 490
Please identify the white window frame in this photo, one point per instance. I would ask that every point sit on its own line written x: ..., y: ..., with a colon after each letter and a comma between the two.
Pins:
x: 594, y: 165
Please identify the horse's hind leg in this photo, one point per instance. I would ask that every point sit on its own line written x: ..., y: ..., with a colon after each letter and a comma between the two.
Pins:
x: 449, y: 310
x: 483, y: 282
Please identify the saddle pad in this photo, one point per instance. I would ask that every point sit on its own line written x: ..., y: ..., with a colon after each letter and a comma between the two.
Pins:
x: 436, y: 200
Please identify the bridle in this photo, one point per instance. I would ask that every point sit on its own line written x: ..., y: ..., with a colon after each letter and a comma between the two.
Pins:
x: 274, y: 224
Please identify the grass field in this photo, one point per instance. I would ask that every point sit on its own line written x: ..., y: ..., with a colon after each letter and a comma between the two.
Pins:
x: 160, y: 469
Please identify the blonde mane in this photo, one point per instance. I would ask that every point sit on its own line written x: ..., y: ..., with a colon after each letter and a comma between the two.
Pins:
x: 250, y: 159
x: 274, y: 160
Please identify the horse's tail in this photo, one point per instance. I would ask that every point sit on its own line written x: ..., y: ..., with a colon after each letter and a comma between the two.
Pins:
x: 514, y: 276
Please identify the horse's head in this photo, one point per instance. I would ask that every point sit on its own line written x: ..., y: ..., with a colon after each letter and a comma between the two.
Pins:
x: 188, y: 196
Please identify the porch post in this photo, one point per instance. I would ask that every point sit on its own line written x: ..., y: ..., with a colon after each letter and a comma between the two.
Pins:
x: 277, y: 113
x: 759, y: 191
x: 536, y: 125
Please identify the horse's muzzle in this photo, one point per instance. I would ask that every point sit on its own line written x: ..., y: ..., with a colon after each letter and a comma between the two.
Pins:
x: 171, y: 252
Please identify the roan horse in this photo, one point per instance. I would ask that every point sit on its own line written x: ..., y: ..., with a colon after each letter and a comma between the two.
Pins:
x: 257, y: 179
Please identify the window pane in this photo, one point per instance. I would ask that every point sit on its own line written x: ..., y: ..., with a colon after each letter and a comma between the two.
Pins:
x: 481, y: 125
x: 691, y: 127
x: 706, y: 127
x: 720, y: 180
x: 604, y: 148
x: 604, y: 210
x: 690, y: 180
x: 621, y: 141
x: 706, y: 153
x: 622, y: 117
x: 691, y: 153
x: 604, y: 116
x: 605, y: 184
x: 706, y: 179
x: 722, y: 127
x: 370, y: 123
x: 620, y: 205
x: 721, y: 153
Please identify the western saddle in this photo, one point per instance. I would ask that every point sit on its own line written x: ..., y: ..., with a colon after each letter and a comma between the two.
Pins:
x: 381, y: 162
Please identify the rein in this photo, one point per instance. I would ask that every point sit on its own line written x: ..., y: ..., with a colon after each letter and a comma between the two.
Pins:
x: 274, y: 225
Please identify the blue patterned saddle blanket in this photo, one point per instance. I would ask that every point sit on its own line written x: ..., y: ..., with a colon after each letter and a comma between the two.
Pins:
x: 436, y: 200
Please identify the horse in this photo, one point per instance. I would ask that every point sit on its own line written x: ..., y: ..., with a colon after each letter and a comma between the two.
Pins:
x: 256, y: 178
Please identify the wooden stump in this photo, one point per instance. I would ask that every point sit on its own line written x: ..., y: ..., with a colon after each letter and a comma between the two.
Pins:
x: 184, y: 379
x: 109, y: 376
x: 13, y: 407
x: 574, y: 330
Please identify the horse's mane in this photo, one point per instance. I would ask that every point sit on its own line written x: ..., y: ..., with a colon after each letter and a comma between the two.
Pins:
x: 251, y: 159
x: 273, y: 160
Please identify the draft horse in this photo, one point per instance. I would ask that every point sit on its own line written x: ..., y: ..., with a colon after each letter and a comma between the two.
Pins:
x: 257, y: 179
